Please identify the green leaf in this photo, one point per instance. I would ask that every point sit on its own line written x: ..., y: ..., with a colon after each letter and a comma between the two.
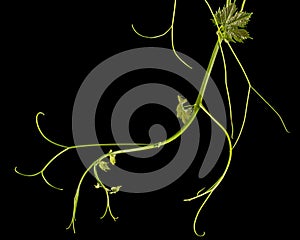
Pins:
x: 104, y: 166
x: 114, y: 190
x: 240, y: 35
x: 183, y: 112
x: 239, y: 19
x: 232, y: 23
x: 222, y: 16
x: 112, y: 158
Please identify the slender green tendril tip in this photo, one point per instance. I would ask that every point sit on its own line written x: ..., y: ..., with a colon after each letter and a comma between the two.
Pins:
x: 171, y: 28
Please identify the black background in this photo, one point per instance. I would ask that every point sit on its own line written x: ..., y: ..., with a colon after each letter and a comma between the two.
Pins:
x: 49, y: 50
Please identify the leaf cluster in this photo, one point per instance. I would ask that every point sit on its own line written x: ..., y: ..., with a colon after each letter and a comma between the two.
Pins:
x: 104, y: 166
x: 232, y: 23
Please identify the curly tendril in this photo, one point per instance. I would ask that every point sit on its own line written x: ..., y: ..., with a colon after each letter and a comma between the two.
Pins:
x: 171, y: 28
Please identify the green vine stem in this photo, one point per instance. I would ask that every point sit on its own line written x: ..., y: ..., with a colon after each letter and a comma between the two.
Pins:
x: 230, y: 25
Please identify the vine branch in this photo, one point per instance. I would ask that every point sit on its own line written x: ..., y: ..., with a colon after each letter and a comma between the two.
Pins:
x: 230, y: 24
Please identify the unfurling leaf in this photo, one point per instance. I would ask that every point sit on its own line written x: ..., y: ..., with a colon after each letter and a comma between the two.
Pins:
x: 112, y: 158
x: 232, y: 23
x: 104, y: 166
x: 114, y: 190
x: 183, y: 112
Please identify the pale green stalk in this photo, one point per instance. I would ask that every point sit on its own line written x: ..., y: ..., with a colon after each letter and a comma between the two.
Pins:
x: 243, y: 5
x: 227, y: 91
x: 247, y: 101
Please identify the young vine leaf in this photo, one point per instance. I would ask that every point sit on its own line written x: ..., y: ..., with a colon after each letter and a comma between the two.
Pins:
x: 183, y: 112
x: 112, y: 158
x: 232, y: 23
x: 114, y: 190
x: 104, y: 166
